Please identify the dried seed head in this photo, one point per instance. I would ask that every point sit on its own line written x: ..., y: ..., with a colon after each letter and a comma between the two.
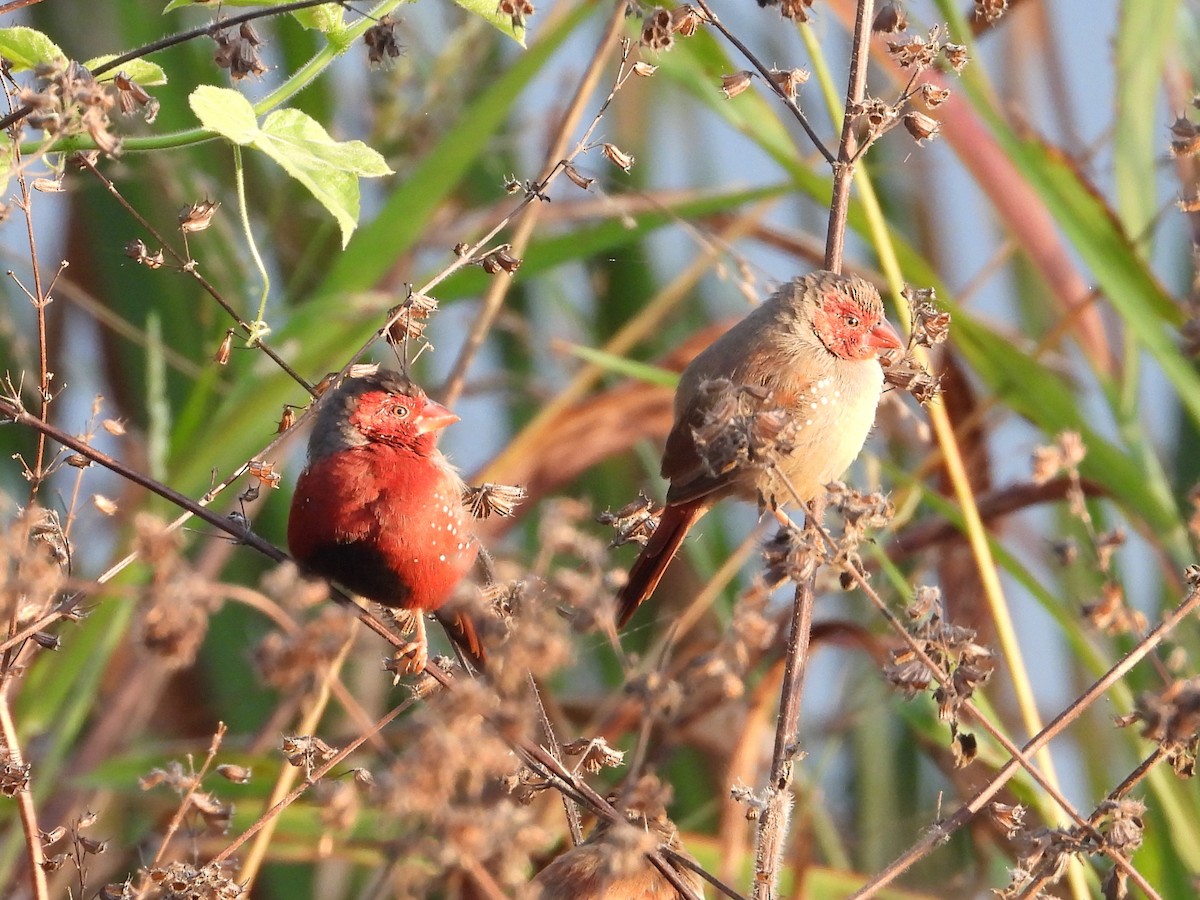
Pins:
x: 921, y: 126
x: 1185, y: 137
x: 658, y: 33
x: 382, y: 43
x: 595, y: 754
x: 516, y: 10
x: 933, y: 96
x: 956, y: 57
x: 988, y: 11
x: 578, y: 180
x: 490, y: 499
x: 617, y: 156
x: 238, y: 54
x: 1064, y: 455
x: 221, y: 357
x: 795, y: 9
x: 685, y: 20
x: 198, y: 216
x: 634, y: 522
x: 913, y: 52
x: 236, y: 774
x: 890, y: 19
x: 644, y: 69
x: 732, y: 85
x: 286, y: 419
x: 105, y: 505
x: 789, y: 80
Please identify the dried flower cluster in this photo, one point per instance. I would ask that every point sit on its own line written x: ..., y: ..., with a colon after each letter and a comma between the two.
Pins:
x: 742, y: 428
x: 68, y: 101
x: 960, y: 664
x: 185, y: 881
x: 634, y: 522
x: 381, y: 41
x: 1171, y: 718
x: 176, y: 602
x: 238, y: 52
x: 34, y: 562
x: 1116, y: 829
x: 662, y: 25
x: 215, y: 814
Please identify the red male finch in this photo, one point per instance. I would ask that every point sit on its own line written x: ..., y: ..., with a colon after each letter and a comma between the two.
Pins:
x: 379, y: 509
x: 814, y: 345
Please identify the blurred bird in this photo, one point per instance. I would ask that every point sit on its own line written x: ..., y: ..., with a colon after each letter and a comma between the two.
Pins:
x: 379, y: 508
x: 814, y: 345
x: 612, y: 865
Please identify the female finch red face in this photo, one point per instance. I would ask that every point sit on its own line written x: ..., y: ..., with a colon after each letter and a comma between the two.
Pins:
x: 852, y: 326
x: 379, y: 508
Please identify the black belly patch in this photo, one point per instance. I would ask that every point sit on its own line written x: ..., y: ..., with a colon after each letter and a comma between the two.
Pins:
x: 361, y: 568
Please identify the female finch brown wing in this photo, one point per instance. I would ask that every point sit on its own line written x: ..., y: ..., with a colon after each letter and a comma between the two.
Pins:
x: 379, y: 509
x: 813, y: 346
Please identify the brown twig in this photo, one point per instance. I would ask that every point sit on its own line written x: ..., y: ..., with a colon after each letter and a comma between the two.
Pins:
x: 843, y: 169
x: 498, y: 289
x: 771, y: 833
x: 34, y: 855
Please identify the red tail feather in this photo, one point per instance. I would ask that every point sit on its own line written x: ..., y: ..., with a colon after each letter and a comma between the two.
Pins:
x: 462, y: 631
x: 652, y: 562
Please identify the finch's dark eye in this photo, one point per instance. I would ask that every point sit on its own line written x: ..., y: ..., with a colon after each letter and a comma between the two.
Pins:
x: 852, y: 321
x: 400, y: 412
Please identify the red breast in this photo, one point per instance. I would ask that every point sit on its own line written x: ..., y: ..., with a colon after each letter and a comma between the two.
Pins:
x: 385, y: 523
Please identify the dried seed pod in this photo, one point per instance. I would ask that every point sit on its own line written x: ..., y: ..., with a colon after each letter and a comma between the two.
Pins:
x: 198, y: 216
x: 616, y: 156
x: 921, y: 126
x: 890, y: 19
x: 732, y: 85
x: 221, y: 357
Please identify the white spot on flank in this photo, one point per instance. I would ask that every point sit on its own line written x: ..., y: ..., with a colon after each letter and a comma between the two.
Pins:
x: 442, y: 557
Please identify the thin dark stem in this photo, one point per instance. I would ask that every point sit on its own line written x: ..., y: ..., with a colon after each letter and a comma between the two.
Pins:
x: 843, y: 169
x: 771, y: 833
x: 766, y: 74
x: 188, y: 266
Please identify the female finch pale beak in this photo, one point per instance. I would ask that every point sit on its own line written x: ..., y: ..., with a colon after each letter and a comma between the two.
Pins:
x: 884, y: 337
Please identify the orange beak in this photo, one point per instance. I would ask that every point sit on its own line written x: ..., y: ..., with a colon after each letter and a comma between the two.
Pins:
x: 884, y: 337
x: 433, y: 417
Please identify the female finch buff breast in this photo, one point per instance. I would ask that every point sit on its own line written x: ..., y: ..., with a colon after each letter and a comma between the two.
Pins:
x: 813, y: 348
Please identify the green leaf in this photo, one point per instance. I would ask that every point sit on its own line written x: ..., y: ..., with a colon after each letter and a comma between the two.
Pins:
x: 488, y: 11
x: 25, y: 48
x: 1145, y: 36
x: 329, y: 169
x: 144, y: 72
x: 226, y: 112
x: 619, y: 365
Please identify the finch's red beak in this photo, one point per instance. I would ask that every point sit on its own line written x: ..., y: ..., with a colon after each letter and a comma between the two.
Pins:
x: 434, y: 417
x: 884, y: 337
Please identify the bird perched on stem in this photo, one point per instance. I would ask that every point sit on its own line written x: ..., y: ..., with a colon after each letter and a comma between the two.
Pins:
x: 379, y: 508
x: 810, y: 351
